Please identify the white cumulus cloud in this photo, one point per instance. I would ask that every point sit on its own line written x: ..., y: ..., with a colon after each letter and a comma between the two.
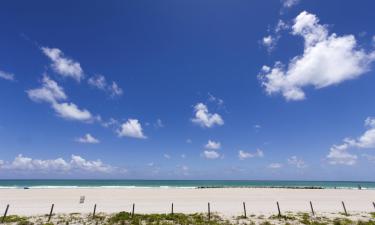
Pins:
x: 338, y: 154
x: 204, y: 118
x: 211, y: 154
x: 76, y: 164
x: 21, y: 162
x: 213, y: 145
x: 328, y: 59
x: 53, y: 94
x: 242, y: 155
x: 131, y: 128
x: 88, y: 139
x: 50, y: 92
x: 90, y: 166
x: 70, y: 111
x: 63, y: 65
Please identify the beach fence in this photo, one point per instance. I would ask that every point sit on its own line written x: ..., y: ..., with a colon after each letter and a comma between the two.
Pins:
x: 244, y: 210
x: 133, y: 210
x: 5, y: 214
x: 50, y: 213
x: 279, y: 212
x: 209, y: 211
x: 312, y: 209
x: 93, y: 212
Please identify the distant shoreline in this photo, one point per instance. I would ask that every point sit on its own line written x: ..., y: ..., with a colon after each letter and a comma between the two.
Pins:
x: 265, y: 187
x: 179, y: 187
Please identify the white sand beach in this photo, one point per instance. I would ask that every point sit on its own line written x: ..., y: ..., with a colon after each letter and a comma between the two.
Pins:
x: 225, y: 201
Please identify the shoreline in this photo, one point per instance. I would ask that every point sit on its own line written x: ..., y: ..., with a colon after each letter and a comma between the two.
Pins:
x: 185, y: 187
x: 183, y: 184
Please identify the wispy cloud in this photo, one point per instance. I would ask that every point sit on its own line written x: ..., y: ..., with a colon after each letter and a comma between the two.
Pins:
x: 270, y: 41
x: 213, y: 145
x: 53, y: 94
x: 289, y: 3
x: 297, y: 162
x: 63, y: 65
x: 99, y: 81
x: 370, y: 158
x: 242, y: 155
x: 7, y: 76
x: 339, y: 154
x: 49, y: 92
x: 159, y: 124
x: 211, y: 154
x: 275, y: 165
x: 87, y: 139
x: 70, y: 111
x: 214, y: 99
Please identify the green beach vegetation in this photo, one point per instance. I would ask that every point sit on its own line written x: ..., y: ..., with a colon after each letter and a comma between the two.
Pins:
x: 126, y: 218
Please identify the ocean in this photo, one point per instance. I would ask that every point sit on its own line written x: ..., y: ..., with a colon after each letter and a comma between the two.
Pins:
x: 182, y: 184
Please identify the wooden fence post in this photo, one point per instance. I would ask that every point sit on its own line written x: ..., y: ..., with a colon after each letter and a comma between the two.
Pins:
x: 373, y: 203
x: 93, y: 213
x: 133, y: 210
x: 172, y: 209
x: 343, y: 205
x: 312, y: 209
x: 50, y: 213
x: 5, y: 214
x: 244, y: 209
x: 278, y: 209
x: 209, y: 211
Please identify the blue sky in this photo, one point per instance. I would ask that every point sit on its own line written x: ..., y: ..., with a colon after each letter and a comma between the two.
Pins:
x: 187, y: 89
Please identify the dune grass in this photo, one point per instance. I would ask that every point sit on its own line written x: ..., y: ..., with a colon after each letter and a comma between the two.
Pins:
x: 126, y: 218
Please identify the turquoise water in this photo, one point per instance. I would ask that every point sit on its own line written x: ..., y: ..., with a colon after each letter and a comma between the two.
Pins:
x: 180, y: 184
